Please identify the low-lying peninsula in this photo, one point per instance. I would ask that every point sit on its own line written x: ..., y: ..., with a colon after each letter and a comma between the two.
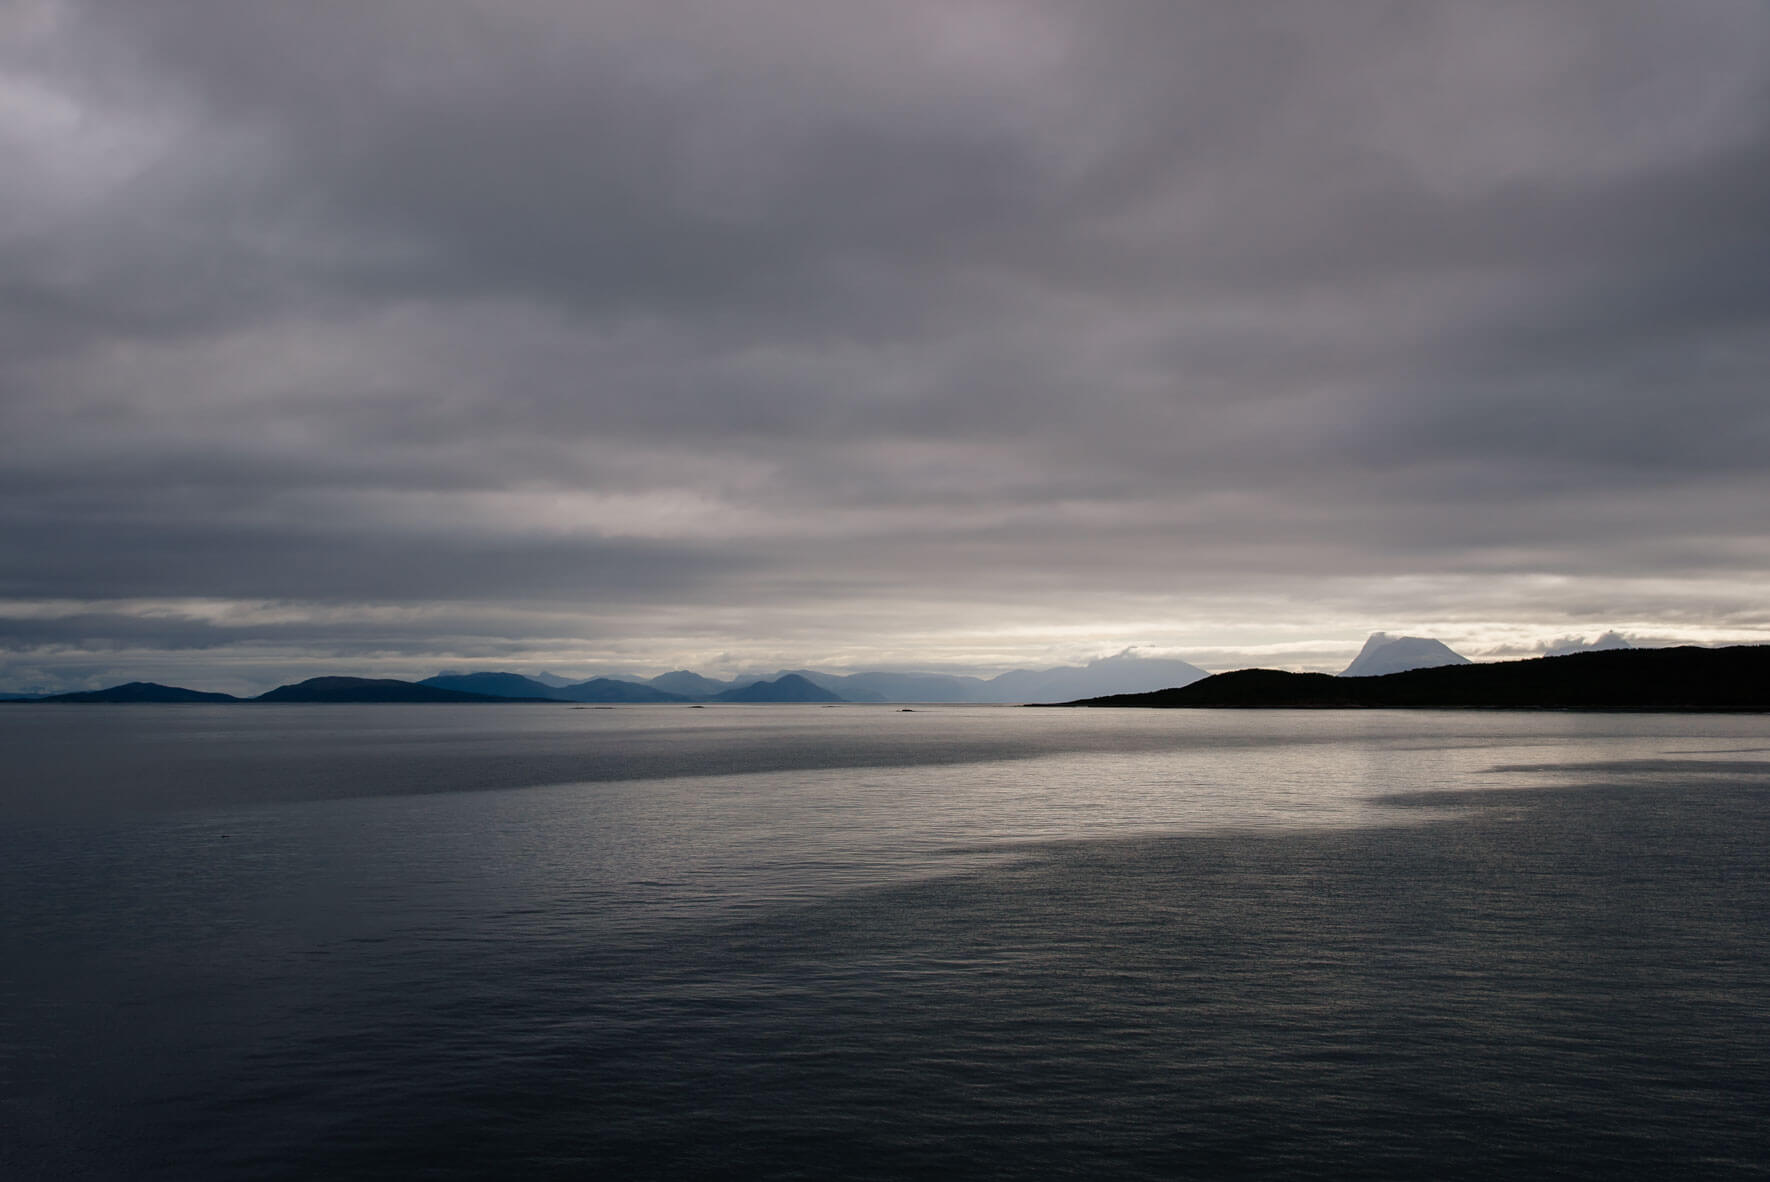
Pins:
x: 1736, y: 678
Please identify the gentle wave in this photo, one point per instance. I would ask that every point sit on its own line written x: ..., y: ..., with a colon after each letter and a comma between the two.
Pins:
x: 302, y: 944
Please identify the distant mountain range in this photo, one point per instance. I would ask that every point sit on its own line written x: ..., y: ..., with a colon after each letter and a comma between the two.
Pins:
x: 515, y: 685
x: 1124, y: 673
x: 1606, y: 674
x: 1735, y: 678
x: 1383, y: 653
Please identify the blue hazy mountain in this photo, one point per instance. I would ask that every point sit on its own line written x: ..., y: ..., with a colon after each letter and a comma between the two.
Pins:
x: 140, y: 691
x: 790, y: 687
x: 370, y: 689
x: 689, y: 685
x: 554, y: 680
x: 1687, y: 678
x: 1125, y: 673
x: 897, y: 687
x: 515, y: 685
x: 1383, y: 654
x: 497, y: 685
x: 609, y: 689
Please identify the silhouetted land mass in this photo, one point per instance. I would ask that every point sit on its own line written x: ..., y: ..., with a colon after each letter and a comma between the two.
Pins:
x: 140, y: 691
x: 788, y: 688
x: 1735, y: 678
x: 366, y: 689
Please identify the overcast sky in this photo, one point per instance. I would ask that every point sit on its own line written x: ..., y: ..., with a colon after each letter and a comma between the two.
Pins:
x: 394, y: 336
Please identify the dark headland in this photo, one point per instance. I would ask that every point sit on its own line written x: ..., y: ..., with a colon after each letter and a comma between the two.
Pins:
x: 373, y: 689
x: 139, y: 691
x: 1736, y: 678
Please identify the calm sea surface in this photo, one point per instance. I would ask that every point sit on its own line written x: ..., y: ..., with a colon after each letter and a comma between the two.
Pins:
x: 532, y: 941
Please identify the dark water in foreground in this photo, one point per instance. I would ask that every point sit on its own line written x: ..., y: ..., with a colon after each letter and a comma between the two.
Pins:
x: 451, y: 942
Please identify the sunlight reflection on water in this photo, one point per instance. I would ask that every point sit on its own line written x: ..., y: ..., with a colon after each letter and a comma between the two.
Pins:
x: 292, y: 942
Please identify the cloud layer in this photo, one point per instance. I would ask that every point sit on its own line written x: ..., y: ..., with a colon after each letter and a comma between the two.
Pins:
x: 953, y: 334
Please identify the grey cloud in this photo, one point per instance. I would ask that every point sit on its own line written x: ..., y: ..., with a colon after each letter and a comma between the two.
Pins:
x: 328, y: 562
x: 801, y: 307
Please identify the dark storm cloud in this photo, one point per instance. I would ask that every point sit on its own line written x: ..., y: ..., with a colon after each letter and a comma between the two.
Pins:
x: 814, y: 307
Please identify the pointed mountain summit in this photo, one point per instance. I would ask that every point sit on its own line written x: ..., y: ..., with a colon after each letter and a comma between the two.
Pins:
x: 1384, y: 654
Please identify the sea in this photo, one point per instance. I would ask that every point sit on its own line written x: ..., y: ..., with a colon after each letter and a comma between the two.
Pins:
x: 536, y: 941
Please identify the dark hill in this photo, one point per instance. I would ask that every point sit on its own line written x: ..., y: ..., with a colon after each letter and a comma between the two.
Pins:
x: 609, y: 689
x: 141, y: 691
x: 788, y: 688
x: 365, y: 689
x: 496, y: 685
x: 689, y: 685
x: 1735, y: 678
